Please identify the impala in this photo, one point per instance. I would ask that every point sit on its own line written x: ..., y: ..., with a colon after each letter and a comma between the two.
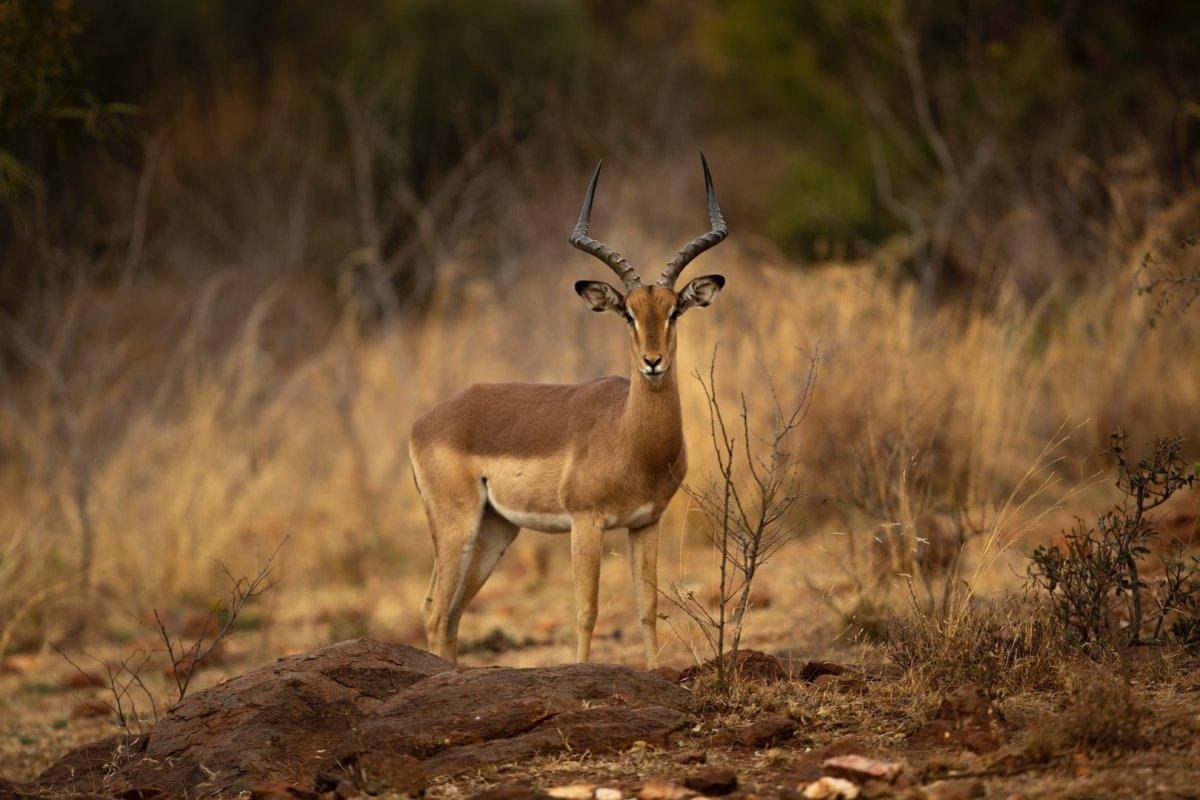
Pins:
x: 580, y: 458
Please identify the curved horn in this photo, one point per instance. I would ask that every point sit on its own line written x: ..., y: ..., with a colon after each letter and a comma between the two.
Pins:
x: 701, y: 243
x: 580, y: 239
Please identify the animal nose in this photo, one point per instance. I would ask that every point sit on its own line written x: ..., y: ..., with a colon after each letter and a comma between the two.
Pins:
x: 652, y: 362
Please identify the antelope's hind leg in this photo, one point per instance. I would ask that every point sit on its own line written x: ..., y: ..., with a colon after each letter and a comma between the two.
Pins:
x: 494, y: 536
x: 454, y: 505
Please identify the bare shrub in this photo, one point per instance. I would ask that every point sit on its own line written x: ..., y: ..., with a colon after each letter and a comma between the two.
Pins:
x: 221, y: 621
x: 129, y: 698
x: 749, y: 506
x: 124, y: 688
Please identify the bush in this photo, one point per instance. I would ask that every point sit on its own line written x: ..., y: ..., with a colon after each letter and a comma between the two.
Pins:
x: 1094, y: 579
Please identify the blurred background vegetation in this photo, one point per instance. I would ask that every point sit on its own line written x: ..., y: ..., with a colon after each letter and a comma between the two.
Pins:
x: 848, y: 123
x: 244, y: 244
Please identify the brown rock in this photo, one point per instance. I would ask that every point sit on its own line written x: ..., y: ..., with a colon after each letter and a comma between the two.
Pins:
x: 279, y: 791
x: 712, y: 781
x: 767, y: 731
x: 752, y: 665
x: 11, y: 791
x: 668, y: 674
x: 398, y: 773
x: 966, y: 719
x: 846, y: 745
x: 279, y: 723
x: 861, y: 769
x: 691, y: 757
x: 811, y: 670
x: 367, y: 711
x: 955, y: 789
x: 807, y: 767
x: 327, y: 781
x: 967, y: 704
x: 511, y: 791
x: 459, y: 721
x: 85, y: 768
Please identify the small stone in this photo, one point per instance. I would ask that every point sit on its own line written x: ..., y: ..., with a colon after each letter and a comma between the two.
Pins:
x: 691, y: 757
x: 712, y: 781
x: 775, y: 756
x: 828, y: 788
x: 606, y: 793
x: 573, y: 791
x: 280, y: 791
x: 326, y: 782
x: 955, y: 789
x: 664, y: 790
x: 861, y: 769
x: 345, y: 789
x: 767, y: 731
x: 811, y: 670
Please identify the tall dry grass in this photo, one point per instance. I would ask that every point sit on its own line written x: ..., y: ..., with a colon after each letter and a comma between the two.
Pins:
x: 175, y: 422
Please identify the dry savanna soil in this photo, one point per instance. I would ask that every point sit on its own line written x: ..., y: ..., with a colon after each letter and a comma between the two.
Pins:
x: 365, y: 717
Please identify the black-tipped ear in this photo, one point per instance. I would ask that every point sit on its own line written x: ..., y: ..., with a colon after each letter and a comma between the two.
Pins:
x: 600, y: 296
x: 701, y: 291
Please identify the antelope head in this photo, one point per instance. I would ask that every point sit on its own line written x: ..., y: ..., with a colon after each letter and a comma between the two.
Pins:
x: 650, y: 312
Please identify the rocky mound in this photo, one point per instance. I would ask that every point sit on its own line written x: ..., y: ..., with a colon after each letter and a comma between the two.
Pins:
x: 460, y: 720
x: 361, y: 702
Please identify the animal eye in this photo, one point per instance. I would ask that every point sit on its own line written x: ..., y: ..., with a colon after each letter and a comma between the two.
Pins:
x: 628, y: 317
x: 674, y: 315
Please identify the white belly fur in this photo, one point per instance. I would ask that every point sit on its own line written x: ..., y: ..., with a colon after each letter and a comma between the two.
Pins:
x: 560, y: 521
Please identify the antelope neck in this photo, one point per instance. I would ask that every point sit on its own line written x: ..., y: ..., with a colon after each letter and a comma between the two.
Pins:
x: 652, y: 421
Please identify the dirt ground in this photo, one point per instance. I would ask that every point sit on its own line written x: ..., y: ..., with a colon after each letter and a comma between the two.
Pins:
x: 1047, y: 743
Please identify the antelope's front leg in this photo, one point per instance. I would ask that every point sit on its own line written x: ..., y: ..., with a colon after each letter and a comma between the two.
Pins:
x: 643, y: 566
x: 586, y: 535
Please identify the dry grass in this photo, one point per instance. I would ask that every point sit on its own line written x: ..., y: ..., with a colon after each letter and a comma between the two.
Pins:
x: 174, y: 421
x: 1005, y: 647
x: 206, y: 439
